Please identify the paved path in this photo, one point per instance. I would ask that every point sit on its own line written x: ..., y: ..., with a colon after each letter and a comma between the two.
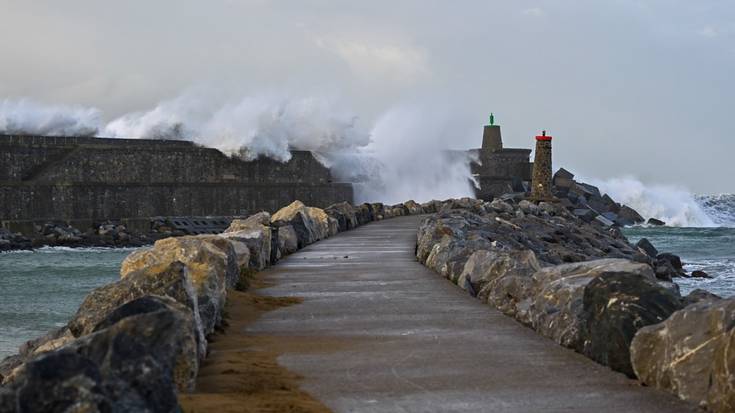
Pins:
x: 414, y: 342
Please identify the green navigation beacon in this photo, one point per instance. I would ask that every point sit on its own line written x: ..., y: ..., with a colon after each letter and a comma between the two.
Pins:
x: 492, y: 119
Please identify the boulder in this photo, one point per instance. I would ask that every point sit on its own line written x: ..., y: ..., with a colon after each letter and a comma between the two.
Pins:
x: 700, y: 274
x: 207, y: 268
x: 501, y: 206
x: 502, y: 278
x: 310, y: 224
x: 691, y: 354
x: 364, y: 212
x: 587, y: 190
x: 413, y: 207
x: 655, y: 222
x: 604, y: 221
x: 615, y: 307
x: 563, y: 178
x: 170, y: 281
x: 288, y: 241
x: 256, y: 233
x: 344, y: 213
x: 137, y: 362
x: 50, y: 341
x: 668, y: 265
x: 645, y: 246
x: 699, y: 295
x: 378, y: 210
x: 595, y: 307
x: 586, y: 215
x: 628, y: 216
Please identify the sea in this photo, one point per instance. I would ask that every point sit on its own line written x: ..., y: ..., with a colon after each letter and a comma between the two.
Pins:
x: 41, y: 290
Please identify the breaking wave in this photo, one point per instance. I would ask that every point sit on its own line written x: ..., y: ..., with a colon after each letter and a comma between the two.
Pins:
x: 720, y: 208
x: 26, y: 117
x: 675, y: 205
x: 402, y: 155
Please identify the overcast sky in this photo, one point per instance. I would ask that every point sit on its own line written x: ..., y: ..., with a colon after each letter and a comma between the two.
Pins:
x: 624, y: 86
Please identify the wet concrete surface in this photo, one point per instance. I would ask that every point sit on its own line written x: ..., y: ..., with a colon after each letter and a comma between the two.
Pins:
x: 414, y: 342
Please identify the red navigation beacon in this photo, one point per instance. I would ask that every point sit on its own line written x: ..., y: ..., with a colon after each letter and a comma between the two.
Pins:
x: 543, y: 137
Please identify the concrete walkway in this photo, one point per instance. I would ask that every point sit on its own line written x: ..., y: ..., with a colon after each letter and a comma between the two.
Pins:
x: 399, y: 338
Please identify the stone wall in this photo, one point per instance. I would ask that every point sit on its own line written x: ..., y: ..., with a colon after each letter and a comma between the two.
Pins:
x: 72, y: 178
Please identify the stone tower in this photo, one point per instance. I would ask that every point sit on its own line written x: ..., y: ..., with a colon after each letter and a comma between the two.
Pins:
x: 491, y: 139
x: 541, y: 182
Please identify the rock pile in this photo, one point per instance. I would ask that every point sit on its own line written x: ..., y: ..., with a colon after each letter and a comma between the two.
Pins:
x: 13, y: 241
x: 580, y: 283
x: 577, y: 282
x: 133, y: 345
x: 586, y: 202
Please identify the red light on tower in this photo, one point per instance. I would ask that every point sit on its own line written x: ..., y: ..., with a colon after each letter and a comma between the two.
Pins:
x: 543, y: 137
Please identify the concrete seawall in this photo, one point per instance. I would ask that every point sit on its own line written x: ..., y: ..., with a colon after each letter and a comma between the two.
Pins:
x: 79, y: 180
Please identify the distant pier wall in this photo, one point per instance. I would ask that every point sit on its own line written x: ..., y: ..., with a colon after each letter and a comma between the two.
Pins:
x: 86, y: 179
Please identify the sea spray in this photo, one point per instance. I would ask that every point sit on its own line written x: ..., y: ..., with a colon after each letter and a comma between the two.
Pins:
x: 674, y: 205
x: 403, y: 155
x: 407, y: 158
x: 720, y: 208
x: 27, y: 117
x: 261, y: 125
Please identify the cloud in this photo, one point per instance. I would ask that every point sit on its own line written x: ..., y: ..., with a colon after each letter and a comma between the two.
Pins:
x: 708, y: 31
x: 376, y: 60
x: 534, y: 12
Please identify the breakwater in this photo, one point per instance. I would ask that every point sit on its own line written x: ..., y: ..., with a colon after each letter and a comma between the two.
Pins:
x: 133, y: 345
x: 580, y: 283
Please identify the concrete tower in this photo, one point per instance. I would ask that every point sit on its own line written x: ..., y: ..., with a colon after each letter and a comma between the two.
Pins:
x: 541, y: 182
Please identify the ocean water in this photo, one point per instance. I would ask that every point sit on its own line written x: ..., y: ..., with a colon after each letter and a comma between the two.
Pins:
x: 40, y: 290
x: 711, y: 250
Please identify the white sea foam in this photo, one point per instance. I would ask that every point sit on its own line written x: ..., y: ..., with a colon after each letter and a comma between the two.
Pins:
x: 673, y: 204
x: 27, y: 117
x: 402, y: 155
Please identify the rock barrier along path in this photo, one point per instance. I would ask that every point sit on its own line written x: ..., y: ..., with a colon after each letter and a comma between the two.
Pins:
x: 393, y: 336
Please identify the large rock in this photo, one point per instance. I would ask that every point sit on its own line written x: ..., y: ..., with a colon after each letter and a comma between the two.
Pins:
x: 413, y: 207
x: 595, y: 307
x: 344, y: 213
x: 503, y: 279
x: 628, y: 216
x: 615, y: 307
x: 136, y: 361
x: 691, y: 354
x: 288, y: 241
x: 171, y: 281
x: 364, y: 213
x: 310, y: 224
x: 207, y: 266
x: 256, y: 233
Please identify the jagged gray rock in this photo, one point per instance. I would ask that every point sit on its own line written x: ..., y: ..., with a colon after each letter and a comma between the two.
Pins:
x: 691, y: 354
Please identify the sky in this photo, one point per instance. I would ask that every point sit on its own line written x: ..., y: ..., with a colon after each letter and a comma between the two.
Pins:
x: 626, y: 87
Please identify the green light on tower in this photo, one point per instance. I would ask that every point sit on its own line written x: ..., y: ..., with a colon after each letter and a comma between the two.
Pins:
x: 492, y: 119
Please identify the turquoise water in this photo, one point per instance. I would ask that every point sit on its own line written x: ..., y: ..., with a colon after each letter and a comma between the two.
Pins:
x: 40, y: 290
x: 708, y: 249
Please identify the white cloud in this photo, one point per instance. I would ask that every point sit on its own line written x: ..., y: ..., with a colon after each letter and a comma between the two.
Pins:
x: 534, y: 12
x: 708, y: 31
x: 370, y: 60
